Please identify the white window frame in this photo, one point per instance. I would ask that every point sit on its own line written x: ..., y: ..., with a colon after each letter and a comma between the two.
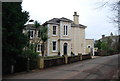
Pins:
x: 56, y: 30
x: 52, y: 46
x: 65, y: 30
x: 88, y: 46
x: 32, y: 33
x: 39, y: 48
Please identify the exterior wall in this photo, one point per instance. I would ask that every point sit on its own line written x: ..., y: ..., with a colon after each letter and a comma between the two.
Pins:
x: 65, y: 39
x: 78, y: 40
x: 35, y: 39
x: 59, y: 38
x: 76, y: 19
x: 68, y: 47
x: 90, y: 42
x: 52, y: 38
x: 61, y: 35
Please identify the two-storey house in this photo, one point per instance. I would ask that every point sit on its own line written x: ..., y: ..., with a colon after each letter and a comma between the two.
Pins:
x: 65, y: 36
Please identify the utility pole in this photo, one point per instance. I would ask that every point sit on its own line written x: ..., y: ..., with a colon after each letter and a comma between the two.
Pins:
x: 118, y: 26
x: 119, y: 18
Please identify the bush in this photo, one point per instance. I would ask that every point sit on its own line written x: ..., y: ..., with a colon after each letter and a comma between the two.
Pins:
x: 111, y: 51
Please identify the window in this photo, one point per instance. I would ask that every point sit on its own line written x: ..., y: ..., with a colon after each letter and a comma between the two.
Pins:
x: 39, y: 48
x: 54, y: 30
x: 31, y: 34
x: 54, y: 45
x: 38, y: 33
x: 89, y: 46
x: 65, y: 30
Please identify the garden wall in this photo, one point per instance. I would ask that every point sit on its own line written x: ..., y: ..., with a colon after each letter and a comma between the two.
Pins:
x: 62, y: 60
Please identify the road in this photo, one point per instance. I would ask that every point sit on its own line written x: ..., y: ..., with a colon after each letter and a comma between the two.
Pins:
x: 97, y: 68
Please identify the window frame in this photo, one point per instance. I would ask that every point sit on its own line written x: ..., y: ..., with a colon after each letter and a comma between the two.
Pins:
x: 65, y: 30
x: 31, y: 37
x: 54, y: 30
x: 88, y: 46
x: 40, y: 48
x: 55, y: 46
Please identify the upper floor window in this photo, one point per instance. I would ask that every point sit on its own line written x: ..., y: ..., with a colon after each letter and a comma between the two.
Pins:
x: 54, y: 30
x: 31, y: 32
x: 65, y: 30
x: 38, y: 33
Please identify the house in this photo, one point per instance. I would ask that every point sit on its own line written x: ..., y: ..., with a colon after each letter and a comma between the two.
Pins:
x: 90, y: 46
x: 112, y: 40
x: 64, y: 36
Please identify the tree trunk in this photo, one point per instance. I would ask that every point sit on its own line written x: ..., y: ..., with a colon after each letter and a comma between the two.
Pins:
x: 43, y: 49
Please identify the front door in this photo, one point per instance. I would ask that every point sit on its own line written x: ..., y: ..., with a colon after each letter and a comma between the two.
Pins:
x: 65, y: 48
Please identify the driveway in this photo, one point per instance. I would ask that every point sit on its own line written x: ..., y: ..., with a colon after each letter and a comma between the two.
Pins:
x: 96, y: 68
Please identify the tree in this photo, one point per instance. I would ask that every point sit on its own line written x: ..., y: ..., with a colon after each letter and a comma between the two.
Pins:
x: 115, y: 5
x: 36, y: 39
x: 98, y: 44
x: 104, y: 46
x: 12, y: 26
x: 43, y: 35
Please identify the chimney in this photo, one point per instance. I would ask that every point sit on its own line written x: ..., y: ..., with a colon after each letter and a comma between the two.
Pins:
x: 111, y: 34
x: 103, y: 36
x: 76, y: 18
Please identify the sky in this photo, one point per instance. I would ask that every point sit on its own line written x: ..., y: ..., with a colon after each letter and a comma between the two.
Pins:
x: 96, y: 19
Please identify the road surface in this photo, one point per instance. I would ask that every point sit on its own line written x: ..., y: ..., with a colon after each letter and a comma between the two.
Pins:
x: 97, y: 68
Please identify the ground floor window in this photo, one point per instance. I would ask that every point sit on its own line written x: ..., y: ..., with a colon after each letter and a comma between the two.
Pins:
x: 54, y: 45
x: 39, y: 48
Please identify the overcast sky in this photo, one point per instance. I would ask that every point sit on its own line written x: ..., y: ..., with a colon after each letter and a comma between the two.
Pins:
x: 96, y: 19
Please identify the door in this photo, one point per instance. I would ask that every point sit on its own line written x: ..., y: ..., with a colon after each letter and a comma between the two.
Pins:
x: 65, y: 49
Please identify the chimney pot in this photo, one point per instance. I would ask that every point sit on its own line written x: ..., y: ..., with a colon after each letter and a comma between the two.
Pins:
x: 76, y: 18
x: 103, y: 36
x: 75, y: 13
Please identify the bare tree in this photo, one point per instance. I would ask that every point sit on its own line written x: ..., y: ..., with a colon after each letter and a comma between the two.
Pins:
x: 115, y: 7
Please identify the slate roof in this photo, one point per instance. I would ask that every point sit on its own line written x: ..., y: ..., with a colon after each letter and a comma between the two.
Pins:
x: 65, y: 19
x: 57, y: 22
x: 30, y: 26
x: 52, y: 21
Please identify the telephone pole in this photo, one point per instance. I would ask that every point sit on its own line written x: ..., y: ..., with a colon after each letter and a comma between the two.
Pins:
x: 119, y: 26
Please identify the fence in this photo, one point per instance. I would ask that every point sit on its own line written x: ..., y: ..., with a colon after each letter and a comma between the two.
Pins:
x: 72, y: 59
x: 41, y: 63
x: 54, y: 62
x: 46, y: 63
